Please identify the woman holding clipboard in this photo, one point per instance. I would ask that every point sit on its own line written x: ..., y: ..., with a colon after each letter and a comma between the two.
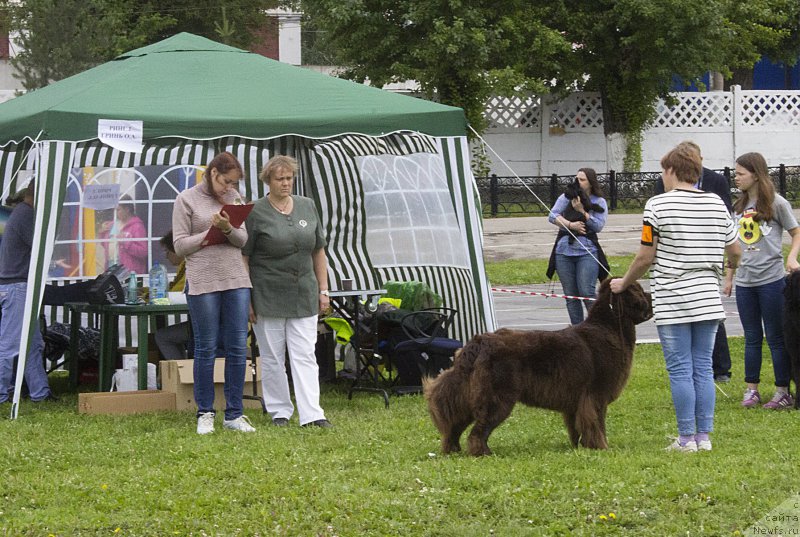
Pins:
x: 218, y: 287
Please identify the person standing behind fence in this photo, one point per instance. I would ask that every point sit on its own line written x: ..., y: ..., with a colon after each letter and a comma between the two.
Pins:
x: 711, y: 181
x: 285, y: 252
x: 219, y: 289
x: 762, y: 215
x: 577, y: 256
x: 685, y: 235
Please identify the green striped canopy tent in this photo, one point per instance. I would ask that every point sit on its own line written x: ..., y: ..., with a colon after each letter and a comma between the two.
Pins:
x: 389, y: 173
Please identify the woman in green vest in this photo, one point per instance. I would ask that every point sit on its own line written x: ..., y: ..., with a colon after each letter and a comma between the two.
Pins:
x: 285, y: 252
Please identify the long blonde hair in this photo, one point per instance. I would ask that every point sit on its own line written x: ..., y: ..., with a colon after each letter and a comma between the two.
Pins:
x: 757, y: 165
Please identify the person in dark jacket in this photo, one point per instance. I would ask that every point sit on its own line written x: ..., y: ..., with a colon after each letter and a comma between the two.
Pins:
x: 717, y: 183
x: 15, y: 258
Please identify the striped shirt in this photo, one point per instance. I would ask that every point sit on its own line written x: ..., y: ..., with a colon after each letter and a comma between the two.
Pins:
x: 693, y: 229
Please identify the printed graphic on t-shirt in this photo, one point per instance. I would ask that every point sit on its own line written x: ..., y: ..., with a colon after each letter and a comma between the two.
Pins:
x: 751, y: 230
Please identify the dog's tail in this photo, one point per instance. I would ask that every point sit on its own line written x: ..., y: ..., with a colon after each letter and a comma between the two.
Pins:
x: 448, y: 395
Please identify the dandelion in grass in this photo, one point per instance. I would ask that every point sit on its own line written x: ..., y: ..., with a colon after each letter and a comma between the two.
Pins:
x: 612, y: 516
x: 104, y: 486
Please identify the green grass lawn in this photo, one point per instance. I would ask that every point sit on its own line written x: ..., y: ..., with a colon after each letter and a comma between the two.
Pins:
x: 526, y: 271
x: 379, y: 472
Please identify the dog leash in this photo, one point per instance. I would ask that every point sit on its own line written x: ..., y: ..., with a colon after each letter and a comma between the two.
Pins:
x: 546, y: 295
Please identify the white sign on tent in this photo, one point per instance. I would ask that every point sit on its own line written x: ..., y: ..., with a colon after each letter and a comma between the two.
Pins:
x: 121, y: 134
x: 99, y: 197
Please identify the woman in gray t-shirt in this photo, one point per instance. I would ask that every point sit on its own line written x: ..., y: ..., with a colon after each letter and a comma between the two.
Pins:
x: 761, y: 216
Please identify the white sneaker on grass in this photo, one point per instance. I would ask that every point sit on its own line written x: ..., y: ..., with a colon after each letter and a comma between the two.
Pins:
x: 704, y: 445
x: 688, y: 447
x: 205, y: 423
x: 242, y: 423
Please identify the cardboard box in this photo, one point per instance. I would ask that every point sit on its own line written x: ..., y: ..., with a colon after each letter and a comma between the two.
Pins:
x: 177, y: 376
x: 125, y: 402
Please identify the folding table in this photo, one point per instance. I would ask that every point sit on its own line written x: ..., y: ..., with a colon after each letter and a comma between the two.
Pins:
x: 346, y: 303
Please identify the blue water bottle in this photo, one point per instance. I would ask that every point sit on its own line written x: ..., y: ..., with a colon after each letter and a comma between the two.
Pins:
x: 158, y: 283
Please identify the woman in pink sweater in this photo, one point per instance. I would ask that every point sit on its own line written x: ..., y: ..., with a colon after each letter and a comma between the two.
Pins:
x: 218, y: 288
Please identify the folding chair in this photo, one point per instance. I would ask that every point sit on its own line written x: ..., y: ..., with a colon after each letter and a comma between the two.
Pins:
x: 421, y: 347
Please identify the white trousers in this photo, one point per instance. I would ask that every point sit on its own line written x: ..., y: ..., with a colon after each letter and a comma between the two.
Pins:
x: 274, y: 336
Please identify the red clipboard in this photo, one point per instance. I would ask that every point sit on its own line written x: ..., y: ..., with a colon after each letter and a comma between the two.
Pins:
x: 237, y: 215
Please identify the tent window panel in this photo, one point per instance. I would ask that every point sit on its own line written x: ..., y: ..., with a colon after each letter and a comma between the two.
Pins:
x: 380, y: 245
x: 427, y: 252
x: 377, y: 211
x: 89, y: 239
x: 408, y: 206
x: 416, y: 208
x: 378, y: 223
x: 452, y: 239
x: 397, y: 207
x: 404, y: 245
x: 435, y: 211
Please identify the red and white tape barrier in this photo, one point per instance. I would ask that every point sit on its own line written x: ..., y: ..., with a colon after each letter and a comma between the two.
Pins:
x: 548, y: 295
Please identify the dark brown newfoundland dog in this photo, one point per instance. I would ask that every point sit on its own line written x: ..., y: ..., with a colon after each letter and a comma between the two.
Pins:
x: 577, y: 371
x: 791, y: 329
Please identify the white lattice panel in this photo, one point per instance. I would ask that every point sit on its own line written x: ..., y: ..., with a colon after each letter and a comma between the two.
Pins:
x: 773, y: 109
x: 513, y: 112
x: 579, y: 111
x: 695, y: 111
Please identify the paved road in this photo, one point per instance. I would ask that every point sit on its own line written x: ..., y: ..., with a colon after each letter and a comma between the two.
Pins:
x: 532, y: 237
x: 541, y: 313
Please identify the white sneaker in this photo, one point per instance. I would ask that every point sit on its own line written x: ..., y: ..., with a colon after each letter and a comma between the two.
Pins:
x: 242, y: 423
x: 205, y: 423
x: 688, y: 447
x: 704, y: 445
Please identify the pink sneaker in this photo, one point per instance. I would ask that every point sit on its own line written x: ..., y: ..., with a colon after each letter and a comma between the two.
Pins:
x: 751, y: 398
x: 780, y: 401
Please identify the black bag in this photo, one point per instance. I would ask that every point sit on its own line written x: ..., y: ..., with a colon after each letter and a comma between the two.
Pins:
x: 106, y: 288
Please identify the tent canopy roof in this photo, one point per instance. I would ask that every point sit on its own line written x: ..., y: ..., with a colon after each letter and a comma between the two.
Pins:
x: 189, y: 86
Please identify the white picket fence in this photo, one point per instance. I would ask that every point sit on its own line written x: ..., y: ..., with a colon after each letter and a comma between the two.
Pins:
x: 539, y: 137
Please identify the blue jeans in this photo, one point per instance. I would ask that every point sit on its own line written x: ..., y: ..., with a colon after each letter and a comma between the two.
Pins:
x: 578, y: 275
x: 687, y: 351
x: 763, y: 303
x: 211, y: 312
x: 12, y: 305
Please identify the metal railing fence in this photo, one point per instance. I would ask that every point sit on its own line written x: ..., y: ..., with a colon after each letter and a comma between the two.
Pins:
x: 625, y: 191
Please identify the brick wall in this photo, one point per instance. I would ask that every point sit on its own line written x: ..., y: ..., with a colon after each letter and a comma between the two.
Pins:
x: 266, y: 40
x: 3, y: 45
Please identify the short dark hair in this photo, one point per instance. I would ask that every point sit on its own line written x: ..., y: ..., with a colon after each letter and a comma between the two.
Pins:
x: 126, y: 202
x: 168, y: 242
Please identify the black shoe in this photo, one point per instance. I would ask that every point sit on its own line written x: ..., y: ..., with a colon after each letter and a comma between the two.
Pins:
x: 48, y: 398
x: 280, y: 422
x: 325, y: 424
x: 722, y: 378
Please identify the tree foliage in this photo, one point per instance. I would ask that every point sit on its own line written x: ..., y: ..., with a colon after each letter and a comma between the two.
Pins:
x: 630, y: 51
x: 459, y: 51
x: 59, y: 38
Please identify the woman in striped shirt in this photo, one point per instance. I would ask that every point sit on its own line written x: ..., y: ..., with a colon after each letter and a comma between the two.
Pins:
x: 685, y: 236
